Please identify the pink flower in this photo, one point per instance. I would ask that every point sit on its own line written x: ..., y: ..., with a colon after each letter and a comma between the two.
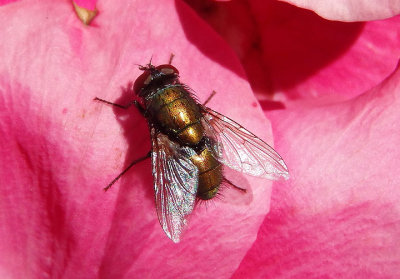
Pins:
x: 336, y: 217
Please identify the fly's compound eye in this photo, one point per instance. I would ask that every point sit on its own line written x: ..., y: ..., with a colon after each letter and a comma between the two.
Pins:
x: 143, y: 80
x: 167, y: 69
x: 147, y: 80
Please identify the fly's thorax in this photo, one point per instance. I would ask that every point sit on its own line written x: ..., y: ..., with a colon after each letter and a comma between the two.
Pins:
x: 210, y: 174
x: 177, y: 114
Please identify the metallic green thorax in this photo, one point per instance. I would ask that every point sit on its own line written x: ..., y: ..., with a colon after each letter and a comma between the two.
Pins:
x: 176, y: 114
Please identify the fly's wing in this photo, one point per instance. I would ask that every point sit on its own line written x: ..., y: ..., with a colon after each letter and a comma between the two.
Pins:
x: 175, y: 183
x: 241, y: 150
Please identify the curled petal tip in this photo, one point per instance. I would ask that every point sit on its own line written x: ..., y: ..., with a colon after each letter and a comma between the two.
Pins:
x: 84, y: 14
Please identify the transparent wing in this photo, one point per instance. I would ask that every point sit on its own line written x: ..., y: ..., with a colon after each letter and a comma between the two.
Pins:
x: 175, y: 183
x: 241, y: 150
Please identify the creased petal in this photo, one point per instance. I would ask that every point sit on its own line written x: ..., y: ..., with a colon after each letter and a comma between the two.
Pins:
x: 291, y: 53
x: 339, y: 215
x: 60, y: 148
x: 351, y: 10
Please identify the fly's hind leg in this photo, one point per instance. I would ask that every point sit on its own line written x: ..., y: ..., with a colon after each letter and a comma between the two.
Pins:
x: 224, y: 179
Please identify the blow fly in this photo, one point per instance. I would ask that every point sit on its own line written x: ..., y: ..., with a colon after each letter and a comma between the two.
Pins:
x: 190, y: 144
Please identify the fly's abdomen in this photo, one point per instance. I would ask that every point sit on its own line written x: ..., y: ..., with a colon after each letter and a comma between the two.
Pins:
x: 210, y: 174
x: 178, y: 114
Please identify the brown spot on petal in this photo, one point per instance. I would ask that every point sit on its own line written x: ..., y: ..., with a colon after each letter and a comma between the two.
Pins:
x: 85, y: 15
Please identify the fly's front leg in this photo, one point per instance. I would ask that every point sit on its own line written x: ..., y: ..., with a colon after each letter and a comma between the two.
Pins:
x: 134, y: 102
x: 143, y: 112
x: 114, y: 104
x: 140, y: 108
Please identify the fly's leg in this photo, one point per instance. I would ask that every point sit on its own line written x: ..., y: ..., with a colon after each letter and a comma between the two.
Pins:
x: 142, y: 111
x: 134, y: 102
x: 125, y: 170
x: 114, y: 104
x: 209, y: 97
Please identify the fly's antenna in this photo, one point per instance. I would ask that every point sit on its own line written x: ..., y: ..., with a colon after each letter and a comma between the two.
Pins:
x: 147, y: 67
x: 141, y: 67
x: 151, y: 58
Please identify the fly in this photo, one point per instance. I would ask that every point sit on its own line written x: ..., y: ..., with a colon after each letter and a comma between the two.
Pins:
x: 190, y: 143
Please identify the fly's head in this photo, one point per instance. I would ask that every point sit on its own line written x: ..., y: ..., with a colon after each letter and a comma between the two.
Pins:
x: 154, y: 78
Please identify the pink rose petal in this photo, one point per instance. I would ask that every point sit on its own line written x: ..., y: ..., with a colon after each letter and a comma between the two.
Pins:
x: 60, y: 148
x: 295, y: 54
x: 339, y: 215
x: 351, y: 10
